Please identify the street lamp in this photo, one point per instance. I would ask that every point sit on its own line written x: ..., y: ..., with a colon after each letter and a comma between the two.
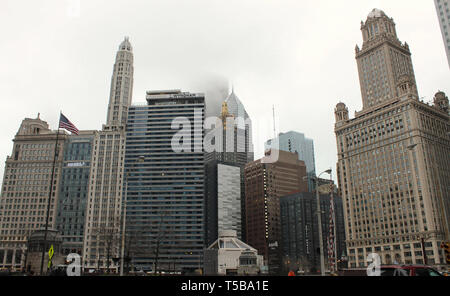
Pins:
x: 319, y: 220
x: 122, y: 253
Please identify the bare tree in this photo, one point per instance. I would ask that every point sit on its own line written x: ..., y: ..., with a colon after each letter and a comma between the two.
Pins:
x: 108, y: 239
x: 134, y: 236
x: 150, y: 240
x: 161, y: 234
x: 26, y: 235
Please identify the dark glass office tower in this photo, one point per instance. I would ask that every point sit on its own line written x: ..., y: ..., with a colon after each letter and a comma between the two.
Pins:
x: 164, y: 182
x: 222, y: 200
x: 73, y: 191
x: 299, y: 229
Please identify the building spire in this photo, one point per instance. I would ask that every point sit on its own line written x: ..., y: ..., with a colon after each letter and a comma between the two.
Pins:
x: 126, y: 45
x: 121, y: 85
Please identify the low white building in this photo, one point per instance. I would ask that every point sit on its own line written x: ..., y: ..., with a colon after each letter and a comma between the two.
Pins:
x: 230, y: 256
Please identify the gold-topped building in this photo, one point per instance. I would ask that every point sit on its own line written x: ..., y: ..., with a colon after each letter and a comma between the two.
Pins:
x: 393, y: 157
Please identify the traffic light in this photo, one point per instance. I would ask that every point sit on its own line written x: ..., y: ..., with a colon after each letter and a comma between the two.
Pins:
x: 446, y: 247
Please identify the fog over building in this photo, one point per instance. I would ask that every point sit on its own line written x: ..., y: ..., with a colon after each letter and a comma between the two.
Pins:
x: 229, y: 143
x: 216, y: 89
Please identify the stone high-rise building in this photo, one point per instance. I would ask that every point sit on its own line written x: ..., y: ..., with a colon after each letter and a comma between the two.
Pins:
x: 102, y: 237
x: 393, y: 157
x: 443, y: 12
x: 265, y: 183
x: 26, y: 188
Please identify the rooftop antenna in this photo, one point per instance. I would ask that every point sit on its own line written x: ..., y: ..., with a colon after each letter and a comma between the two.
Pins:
x: 274, y: 132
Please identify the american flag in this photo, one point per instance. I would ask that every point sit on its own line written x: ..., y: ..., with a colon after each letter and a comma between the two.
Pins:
x: 66, y: 124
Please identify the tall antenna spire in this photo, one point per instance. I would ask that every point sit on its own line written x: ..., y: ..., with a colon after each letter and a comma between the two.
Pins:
x: 274, y: 132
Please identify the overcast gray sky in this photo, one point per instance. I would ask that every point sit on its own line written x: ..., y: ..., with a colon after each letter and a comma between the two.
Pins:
x: 296, y: 54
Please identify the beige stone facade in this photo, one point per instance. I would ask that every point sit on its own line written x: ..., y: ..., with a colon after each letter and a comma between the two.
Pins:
x: 102, y: 238
x: 393, y: 157
x: 26, y: 188
x: 104, y: 208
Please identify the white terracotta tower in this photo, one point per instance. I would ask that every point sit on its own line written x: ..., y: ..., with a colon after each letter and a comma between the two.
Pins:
x: 121, y: 85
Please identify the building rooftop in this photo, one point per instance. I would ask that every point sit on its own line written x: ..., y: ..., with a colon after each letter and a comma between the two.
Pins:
x: 228, y: 240
x: 376, y: 13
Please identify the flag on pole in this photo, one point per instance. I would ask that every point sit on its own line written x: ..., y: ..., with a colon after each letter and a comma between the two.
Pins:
x: 66, y: 124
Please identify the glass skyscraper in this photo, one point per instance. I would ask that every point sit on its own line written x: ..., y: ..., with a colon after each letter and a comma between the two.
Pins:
x: 233, y: 147
x: 73, y: 191
x: 165, y: 191
x: 296, y: 142
x: 222, y: 199
x: 299, y: 228
x: 443, y: 12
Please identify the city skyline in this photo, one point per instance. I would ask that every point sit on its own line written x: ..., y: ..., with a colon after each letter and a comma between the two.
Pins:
x: 146, y: 198
x: 277, y: 43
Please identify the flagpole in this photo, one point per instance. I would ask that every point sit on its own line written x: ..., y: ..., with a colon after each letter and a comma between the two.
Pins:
x: 334, y: 224
x: 50, y: 198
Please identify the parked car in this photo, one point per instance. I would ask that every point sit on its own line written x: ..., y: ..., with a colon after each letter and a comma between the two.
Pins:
x: 59, y: 270
x: 408, y: 270
x: 395, y: 270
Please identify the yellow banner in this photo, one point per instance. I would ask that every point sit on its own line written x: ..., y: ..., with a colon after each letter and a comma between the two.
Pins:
x: 50, y: 253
